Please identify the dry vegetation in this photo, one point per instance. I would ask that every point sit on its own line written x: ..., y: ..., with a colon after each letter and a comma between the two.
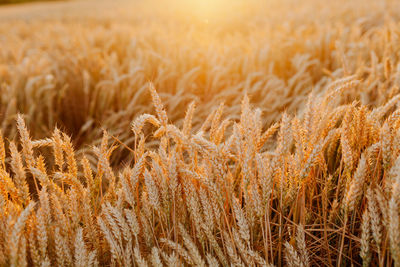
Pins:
x: 259, y: 135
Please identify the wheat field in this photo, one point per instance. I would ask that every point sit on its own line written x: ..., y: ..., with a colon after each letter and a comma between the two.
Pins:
x: 200, y: 133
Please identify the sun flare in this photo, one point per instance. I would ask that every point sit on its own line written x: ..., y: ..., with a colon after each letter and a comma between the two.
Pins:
x: 209, y: 8
x: 212, y: 10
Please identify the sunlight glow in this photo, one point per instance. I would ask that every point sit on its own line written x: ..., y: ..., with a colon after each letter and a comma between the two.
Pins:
x: 209, y: 10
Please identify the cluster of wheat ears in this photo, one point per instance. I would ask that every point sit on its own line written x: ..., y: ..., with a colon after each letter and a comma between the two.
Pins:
x: 274, y: 142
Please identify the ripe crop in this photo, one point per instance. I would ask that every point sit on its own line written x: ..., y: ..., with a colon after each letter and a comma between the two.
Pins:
x: 155, y: 134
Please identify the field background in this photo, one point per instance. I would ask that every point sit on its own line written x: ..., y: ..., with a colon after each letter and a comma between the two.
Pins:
x: 293, y: 141
x: 84, y: 65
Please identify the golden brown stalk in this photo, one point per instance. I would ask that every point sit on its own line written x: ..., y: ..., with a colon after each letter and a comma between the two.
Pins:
x: 27, y: 146
x: 365, y: 252
x: 355, y: 190
x: 161, y: 114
